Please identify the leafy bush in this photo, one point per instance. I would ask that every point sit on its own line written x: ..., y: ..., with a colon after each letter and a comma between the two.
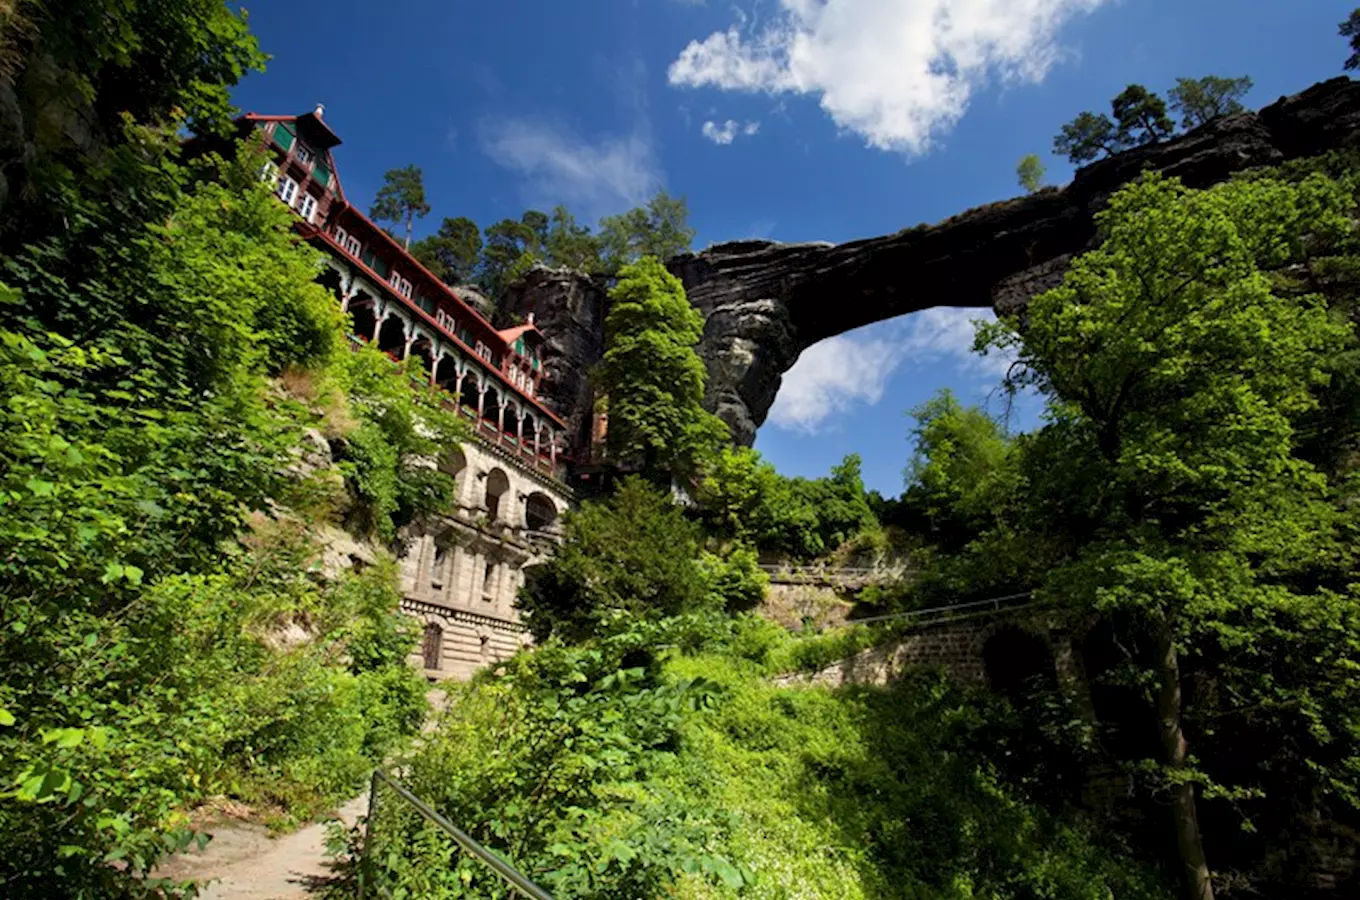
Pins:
x: 634, y: 555
x: 620, y: 769
x: 743, y: 497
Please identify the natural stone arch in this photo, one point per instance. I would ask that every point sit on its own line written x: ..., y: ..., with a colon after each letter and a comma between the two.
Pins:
x: 540, y: 512
x: 764, y: 303
x: 495, y: 499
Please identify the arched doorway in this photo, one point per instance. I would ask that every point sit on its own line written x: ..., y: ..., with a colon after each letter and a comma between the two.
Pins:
x: 497, y: 486
x: 540, y: 513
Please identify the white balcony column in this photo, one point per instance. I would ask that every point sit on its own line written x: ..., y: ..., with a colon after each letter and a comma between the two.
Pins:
x: 434, y: 367
x: 519, y: 432
x: 481, y: 401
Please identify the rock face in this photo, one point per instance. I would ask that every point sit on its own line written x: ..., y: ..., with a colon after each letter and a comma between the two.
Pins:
x: 764, y: 302
x: 569, y: 309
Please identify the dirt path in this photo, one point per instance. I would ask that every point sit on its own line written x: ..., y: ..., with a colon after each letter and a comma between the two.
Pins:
x: 244, y: 863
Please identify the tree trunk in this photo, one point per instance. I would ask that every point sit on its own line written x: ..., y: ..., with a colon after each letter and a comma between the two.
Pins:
x: 408, y: 230
x: 1174, y: 748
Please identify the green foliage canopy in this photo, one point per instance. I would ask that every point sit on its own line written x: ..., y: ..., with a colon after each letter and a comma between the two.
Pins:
x: 1175, y: 375
x: 652, y: 377
x: 451, y: 253
x: 634, y: 555
x: 1030, y: 172
x: 1201, y: 100
x: 401, y: 199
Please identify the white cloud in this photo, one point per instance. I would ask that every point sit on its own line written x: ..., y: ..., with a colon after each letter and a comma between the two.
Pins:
x: 945, y: 334
x: 830, y: 377
x: 728, y: 131
x: 897, y: 72
x: 839, y: 373
x: 592, y: 177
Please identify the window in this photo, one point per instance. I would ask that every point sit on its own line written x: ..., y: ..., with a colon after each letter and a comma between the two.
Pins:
x: 270, y: 172
x: 283, y: 135
x: 303, y: 154
x: 307, y: 208
x: 483, y: 351
x: 340, y: 235
x: 519, y: 346
x: 488, y: 582
x: 321, y: 175
x: 426, y: 303
x: 288, y: 190
x: 445, y: 320
x: 400, y: 285
x: 353, y: 246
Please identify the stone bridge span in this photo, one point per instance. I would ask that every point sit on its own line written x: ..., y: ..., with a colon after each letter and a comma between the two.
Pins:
x: 765, y: 303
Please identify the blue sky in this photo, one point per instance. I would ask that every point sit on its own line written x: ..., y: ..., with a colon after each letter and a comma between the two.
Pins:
x: 787, y: 119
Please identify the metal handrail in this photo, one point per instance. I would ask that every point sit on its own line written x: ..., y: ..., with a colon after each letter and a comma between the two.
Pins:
x: 507, y: 872
x: 992, y: 604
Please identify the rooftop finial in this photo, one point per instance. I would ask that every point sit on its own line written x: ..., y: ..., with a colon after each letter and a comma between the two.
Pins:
x: 320, y: 108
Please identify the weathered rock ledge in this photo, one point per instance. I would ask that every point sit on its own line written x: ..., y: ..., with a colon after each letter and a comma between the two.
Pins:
x: 765, y: 302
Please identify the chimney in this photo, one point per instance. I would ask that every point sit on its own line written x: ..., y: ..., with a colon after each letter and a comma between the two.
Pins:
x: 531, y: 318
x: 320, y: 108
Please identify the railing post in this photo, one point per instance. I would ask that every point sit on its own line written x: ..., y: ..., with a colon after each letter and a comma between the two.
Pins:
x: 368, y: 831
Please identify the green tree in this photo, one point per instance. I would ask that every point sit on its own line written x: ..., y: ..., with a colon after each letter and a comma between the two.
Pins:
x: 634, y: 556
x: 401, y: 199
x: 93, y: 62
x: 961, y: 470
x: 1030, y: 173
x: 511, y: 247
x: 1141, y: 117
x: 453, y: 252
x: 1175, y: 374
x: 653, y: 378
x: 1201, y: 100
x: 1351, y: 29
x: 660, y: 229
x: 1087, y: 137
x: 571, y: 245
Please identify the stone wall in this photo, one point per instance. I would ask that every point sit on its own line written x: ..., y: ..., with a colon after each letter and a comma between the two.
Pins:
x: 462, y: 571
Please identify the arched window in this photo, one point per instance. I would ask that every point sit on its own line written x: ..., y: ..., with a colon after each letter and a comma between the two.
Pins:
x: 497, y: 485
x: 433, y: 646
x: 539, y: 512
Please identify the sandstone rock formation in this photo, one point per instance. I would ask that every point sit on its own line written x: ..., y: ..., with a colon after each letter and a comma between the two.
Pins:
x: 764, y: 302
x: 569, y: 308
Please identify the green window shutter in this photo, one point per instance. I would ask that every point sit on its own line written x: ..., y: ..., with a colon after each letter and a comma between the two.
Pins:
x: 283, y: 135
x: 519, y: 346
x: 321, y: 175
x: 369, y: 259
x: 425, y: 303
